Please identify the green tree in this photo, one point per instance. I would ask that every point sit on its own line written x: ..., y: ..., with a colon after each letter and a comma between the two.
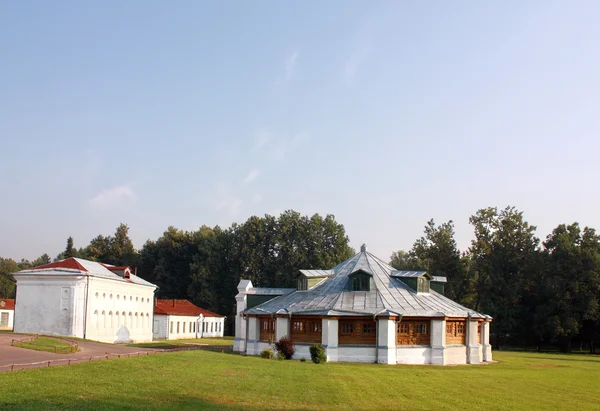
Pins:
x: 503, y: 253
x: 7, y: 282
x: 402, y: 260
x: 569, y: 291
x: 70, y: 251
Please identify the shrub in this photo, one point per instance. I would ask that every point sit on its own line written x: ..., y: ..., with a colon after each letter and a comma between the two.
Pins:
x: 285, y: 347
x: 267, y: 353
x: 302, y: 359
x: 280, y: 356
x: 317, y: 353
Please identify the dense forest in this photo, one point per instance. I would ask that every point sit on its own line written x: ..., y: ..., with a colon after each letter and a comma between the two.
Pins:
x: 538, y: 292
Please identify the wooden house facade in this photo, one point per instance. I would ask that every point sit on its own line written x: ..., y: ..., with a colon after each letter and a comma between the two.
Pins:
x: 363, y: 310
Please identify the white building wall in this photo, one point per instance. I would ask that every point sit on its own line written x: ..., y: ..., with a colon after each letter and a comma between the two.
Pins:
x: 50, y: 305
x: 212, y: 327
x: 413, y: 355
x: 11, y: 318
x: 160, y: 328
x: 356, y: 353
x: 119, y: 312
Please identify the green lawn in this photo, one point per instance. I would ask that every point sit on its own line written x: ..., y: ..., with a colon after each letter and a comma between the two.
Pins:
x: 47, y: 344
x: 224, y: 341
x: 215, y: 381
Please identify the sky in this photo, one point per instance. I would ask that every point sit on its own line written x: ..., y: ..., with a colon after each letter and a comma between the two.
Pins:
x: 384, y: 114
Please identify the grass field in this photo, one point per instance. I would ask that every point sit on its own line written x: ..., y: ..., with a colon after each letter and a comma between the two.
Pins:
x: 224, y: 341
x: 47, y: 344
x: 216, y: 381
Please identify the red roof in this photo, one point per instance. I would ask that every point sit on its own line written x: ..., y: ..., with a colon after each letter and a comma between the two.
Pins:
x: 8, y: 304
x: 181, y: 307
x: 68, y: 263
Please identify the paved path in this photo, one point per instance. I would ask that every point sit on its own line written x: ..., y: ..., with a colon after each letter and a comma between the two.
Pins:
x: 14, y: 355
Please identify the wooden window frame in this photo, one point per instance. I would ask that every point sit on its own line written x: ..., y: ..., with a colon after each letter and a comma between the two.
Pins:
x: 357, y: 335
x: 413, y: 332
x: 267, y: 329
x: 453, y: 334
x: 306, y: 330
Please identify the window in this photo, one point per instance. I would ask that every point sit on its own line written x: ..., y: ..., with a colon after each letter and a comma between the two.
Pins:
x: 190, y: 327
x: 302, y: 283
x: 360, y: 282
x: 177, y: 327
x: 118, y: 297
x: 194, y: 328
x: 403, y: 328
x: 211, y: 326
x: 369, y: 328
x: 267, y: 329
x: 111, y: 296
x: 455, y: 332
x: 413, y: 332
x: 171, y: 329
x: 4, y: 320
x: 110, y: 314
x: 423, y: 284
x: 183, y: 327
x: 315, y: 327
x: 347, y: 328
x: 298, y: 326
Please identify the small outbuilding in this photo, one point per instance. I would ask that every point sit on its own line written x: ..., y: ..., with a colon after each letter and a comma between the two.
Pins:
x: 7, y: 313
x: 85, y: 299
x: 180, y: 319
x: 364, y: 310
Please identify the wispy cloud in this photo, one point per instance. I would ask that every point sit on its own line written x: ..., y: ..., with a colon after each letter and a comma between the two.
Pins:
x: 354, y: 63
x: 290, y: 65
x: 252, y: 175
x: 225, y: 200
x: 112, y: 196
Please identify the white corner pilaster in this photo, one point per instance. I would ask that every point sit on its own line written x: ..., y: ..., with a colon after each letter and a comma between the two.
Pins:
x: 485, y: 340
x: 239, y: 341
x: 473, y: 347
x: 253, y: 335
x: 329, y: 338
x: 386, y: 341
x: 438, y: 341
x: 281, y: 328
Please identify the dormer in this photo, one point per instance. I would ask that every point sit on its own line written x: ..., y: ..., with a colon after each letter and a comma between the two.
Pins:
x: 419, y: 281
x: 360, y: 281
x: 307, y: 279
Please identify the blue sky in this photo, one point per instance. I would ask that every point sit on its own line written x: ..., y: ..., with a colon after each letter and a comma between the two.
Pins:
x: 384, y: 114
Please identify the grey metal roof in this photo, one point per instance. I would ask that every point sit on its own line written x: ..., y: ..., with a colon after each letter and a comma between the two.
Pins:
x: 407, y: 274
x: 438, y: 279
x: 317, y: 273
x: 387, y: 294
x: 93, y: 269
x: 270, y: 291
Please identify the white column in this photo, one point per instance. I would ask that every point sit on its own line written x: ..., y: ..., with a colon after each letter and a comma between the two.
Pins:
x: 438, y: 341
x: 473, y: 347
x: 281, y: 327
x: 329, y: 338
x: 253, y: 335
x: 240, y: 322
x: 485, y: 340
x: 386, y: 341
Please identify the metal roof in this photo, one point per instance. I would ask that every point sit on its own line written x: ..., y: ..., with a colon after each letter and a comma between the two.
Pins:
x: 438, y: 279
x: 79, y: 266
x: 407, y: 274
x: 387, y: 294
x: 317, y: 273
x: 270, y: 291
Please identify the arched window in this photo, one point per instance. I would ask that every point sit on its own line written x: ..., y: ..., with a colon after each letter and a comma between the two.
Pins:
x: 110, y: 315
x: 111, y: 296
x: 118, y: 297
x: 95, y: 319
x: 211, y: 326
x: 103, y: 319
x: 97, y: 295
x: 131, y: 298
x: 103, y: 295
x: 123, y: 319
x: 137, y: 299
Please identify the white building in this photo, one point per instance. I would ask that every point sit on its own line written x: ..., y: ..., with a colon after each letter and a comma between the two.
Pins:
x: 7, y: 313
x: 363, y: 310
x: 84, y: 299
x: 180, y: 319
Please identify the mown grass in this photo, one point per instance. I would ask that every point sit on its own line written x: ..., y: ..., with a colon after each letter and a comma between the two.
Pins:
x: 223, y: 341
x: 47, y: 344
x: 208, y: 380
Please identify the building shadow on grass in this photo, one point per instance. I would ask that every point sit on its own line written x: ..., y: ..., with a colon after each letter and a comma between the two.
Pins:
x: 140, y: 403
x: 575, y: 358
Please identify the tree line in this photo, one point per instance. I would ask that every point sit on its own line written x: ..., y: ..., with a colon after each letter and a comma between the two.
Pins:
x: 538, y: 292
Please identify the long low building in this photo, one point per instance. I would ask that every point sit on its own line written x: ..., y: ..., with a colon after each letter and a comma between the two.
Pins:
x: 363, y: 310
x: 85, y: 299
x: 180, y: 319
x: 7, y: 313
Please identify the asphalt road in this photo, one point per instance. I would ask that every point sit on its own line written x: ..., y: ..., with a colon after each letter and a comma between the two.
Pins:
x: 10, y: 355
